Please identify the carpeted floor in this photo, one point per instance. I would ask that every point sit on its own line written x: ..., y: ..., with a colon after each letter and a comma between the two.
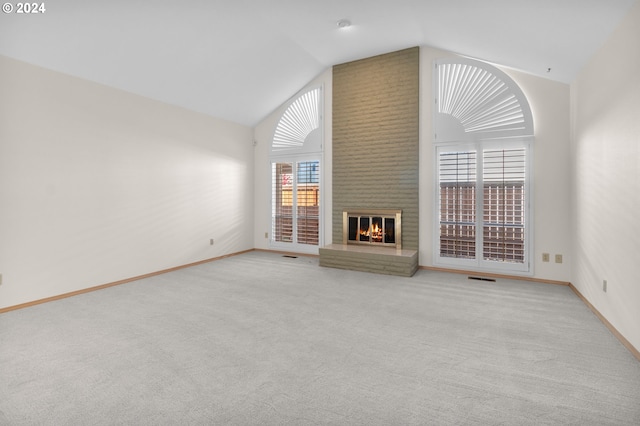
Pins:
x: 264, y: 339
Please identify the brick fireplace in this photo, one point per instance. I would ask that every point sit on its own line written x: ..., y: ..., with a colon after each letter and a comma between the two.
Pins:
x: 375, y: 142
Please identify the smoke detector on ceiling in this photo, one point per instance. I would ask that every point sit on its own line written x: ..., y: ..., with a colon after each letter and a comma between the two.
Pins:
x: 343, y: 23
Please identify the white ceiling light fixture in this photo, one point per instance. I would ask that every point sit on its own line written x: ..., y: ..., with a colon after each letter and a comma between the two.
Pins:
x: 343, y: 23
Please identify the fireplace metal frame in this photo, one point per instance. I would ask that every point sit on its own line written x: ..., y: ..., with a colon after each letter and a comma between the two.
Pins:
x: 384, y: 213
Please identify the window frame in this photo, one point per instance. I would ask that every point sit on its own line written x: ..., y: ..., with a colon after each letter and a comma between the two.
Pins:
x: 479, y: 263
x: 294, y: 245
x: 477, y: 106
x: 305, y: 143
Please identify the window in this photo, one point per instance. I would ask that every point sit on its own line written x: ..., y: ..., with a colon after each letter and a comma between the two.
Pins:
x: 308, y: 202
x: 295, y: 175
x: 504, y: 205
x: 282, y: 199
x: 296, y: 203
x: 493, y: 201
x: 457, y: 176
x: 483, y: 143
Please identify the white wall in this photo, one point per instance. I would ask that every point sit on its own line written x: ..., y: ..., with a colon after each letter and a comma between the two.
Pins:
x: 98, y: 185
x: 263, y: 135
x: 549, y: 103
x: 605, y: 152
x: 426, y: 163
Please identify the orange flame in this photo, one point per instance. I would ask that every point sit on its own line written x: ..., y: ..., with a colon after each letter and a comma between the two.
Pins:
x: 374, y: 231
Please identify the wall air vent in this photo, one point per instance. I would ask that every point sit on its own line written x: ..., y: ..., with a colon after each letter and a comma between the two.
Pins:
x: 482, y: 279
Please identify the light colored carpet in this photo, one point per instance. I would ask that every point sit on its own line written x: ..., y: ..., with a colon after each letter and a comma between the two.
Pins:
x: 264, y: 339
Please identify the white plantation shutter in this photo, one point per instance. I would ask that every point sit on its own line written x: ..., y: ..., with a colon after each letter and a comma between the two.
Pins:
x: 457, y: 175
x: 282, y: 202
x: 504, y: 205
x: 477, y: 101
x: 308, y: 202
x: 299, y: 127
x: 295, y: 204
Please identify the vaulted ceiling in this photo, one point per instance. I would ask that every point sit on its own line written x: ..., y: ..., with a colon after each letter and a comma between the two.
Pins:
x: 240, y: 59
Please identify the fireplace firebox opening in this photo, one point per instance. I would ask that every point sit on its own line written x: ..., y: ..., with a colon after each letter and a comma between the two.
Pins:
x: 372, y: 227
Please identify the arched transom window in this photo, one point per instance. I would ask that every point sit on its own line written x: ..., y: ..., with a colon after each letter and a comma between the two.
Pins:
x: 299, y: 127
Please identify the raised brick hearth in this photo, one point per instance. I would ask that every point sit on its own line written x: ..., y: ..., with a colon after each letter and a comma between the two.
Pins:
x: 381, y: 260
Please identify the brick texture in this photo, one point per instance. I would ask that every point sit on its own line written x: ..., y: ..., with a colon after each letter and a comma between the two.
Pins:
x: 383, y: 262
x: 375, y: 138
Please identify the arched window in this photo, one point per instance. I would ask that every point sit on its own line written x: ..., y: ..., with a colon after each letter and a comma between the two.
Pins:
x: 298, y: 129
x: 483, y: 134
x: 296, y: 154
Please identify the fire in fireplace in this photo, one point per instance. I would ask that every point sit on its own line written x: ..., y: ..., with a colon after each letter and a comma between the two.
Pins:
x: 373, y: 227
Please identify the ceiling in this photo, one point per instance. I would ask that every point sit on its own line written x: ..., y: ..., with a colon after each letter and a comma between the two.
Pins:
x: 240, y: 59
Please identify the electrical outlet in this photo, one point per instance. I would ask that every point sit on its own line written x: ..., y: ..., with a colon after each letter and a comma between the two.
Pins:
x: 604, y: 285
x: 558, y: 258
x: 545, y: 257
x: 266, y: 235
x: 211, y: 241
